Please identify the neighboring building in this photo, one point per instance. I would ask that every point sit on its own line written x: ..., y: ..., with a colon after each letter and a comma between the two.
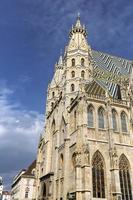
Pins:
x: 86, y: 151
x: 1, y: 187
x: 23, y: 186
x: 6, y: 195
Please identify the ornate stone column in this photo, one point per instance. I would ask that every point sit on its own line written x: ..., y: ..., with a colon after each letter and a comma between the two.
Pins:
x: 78, y: 175
x: 114, y: 166
x: 115, y: 186
x: 66, y: 168
x: 86, y: 172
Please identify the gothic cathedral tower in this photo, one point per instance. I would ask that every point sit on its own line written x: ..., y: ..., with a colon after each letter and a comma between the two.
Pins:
x: 86, y: 151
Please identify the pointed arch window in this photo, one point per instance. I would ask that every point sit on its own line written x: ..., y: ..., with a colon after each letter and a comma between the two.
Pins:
x: 90, y: 113
x: 125, y: 181
x: 73, y: 62
x: 101, y: 120
x: 98, y: 179
x: 82, y: 62
x: 114, y: 119
x: 83, y: 74
x: 53, y: 94
x: 124, y: 122
x: 72, y: 87
x: 73, y: 74
x: 44, y: 190
x: 61, y: 161
x: 75, y: 119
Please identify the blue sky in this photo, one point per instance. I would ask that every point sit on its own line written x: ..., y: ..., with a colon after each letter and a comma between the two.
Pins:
x: 32, y: 34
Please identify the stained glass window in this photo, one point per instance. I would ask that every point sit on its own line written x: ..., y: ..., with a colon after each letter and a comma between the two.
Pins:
x: 101, y: 118
x: 98, y: 176
x: 125, y: 181
x: 124, y: 122
x: 90, y: 116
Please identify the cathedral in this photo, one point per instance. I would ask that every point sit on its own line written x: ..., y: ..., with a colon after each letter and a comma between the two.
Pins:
x: 86, y: 150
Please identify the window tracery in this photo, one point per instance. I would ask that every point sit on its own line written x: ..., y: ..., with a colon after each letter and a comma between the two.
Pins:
x: 98, y: 176
x: 101, y: 120
x: 125, y: 181
x: 90, y: 112
x: 124, y: 122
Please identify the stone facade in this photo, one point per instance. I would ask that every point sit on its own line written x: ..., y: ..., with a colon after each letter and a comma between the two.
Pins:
x: 86, y: 151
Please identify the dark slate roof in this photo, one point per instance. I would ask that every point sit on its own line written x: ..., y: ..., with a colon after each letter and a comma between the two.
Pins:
x: 113, y: 65
x: 6, y: 193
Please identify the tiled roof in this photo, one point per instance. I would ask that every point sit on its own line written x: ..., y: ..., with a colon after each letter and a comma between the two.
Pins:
x: 113, y: 65
x: 30, y: 168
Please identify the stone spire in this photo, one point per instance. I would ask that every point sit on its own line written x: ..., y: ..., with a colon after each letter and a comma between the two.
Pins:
x: 78, y: 28
x: 60, y: 62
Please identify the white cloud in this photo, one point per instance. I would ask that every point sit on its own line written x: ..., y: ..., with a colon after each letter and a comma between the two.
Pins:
x: 19, y: 134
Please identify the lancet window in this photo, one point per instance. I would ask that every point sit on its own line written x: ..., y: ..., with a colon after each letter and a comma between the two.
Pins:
x: 98, y: 176
x: 125, y: 180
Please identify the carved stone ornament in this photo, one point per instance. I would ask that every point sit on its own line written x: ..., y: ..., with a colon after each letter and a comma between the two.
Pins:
x: 114, y: 156
x: 78, y: 156
x: 86, y: 154
x: 131, y: 121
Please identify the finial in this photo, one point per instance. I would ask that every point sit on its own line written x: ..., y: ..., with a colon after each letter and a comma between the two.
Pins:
x: 78, y: 15
x: 60, y: 62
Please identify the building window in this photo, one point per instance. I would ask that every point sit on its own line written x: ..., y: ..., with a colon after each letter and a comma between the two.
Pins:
x: 26, y: 194
x: 72, y: 87
x: 125, y: 181
x: 83, y: 74
x: 44, y: 190
x: 53, y: 94
x: 74, y: 160
x: 114, y: 120
x: 61, y: 161
x: 101, y: 118
x: 98, y: 176
x: 73, y: 74
x: 73, y: 62
x: 82, y: 62
x: 124, y: 122
x: 75, y: 120
x: 90, y: 121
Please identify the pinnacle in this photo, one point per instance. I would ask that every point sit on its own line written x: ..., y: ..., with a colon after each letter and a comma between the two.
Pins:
x: 78, y: 23
x: 78, y: 27
x: 60, y: 62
